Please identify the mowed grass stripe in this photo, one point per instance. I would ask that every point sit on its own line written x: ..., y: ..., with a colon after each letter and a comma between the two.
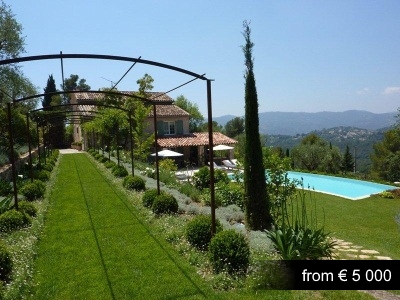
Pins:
x: 106, y: 252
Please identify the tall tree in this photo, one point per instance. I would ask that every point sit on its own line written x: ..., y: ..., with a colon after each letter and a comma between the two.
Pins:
x: 73, y: 83
x: 315, y: 154
x: 386, y: 155
x: 257, y: 203
x: 50, y: 88
x: 56, y: 133
x: 348, y: 162
x: 12, y: 81
x: 234, y: 127
x: 142, y: 139
x: 196, y: 118
x: 11, y: 40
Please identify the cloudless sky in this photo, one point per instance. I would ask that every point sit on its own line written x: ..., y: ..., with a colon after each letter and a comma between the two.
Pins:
x: 309, y: 56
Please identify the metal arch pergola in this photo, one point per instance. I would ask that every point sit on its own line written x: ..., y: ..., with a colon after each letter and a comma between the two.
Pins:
x: 62, y: 56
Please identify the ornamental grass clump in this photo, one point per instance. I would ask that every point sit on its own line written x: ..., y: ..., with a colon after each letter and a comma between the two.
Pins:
x: 229, y: 252
x: 198, y: 231
x: 165, y: 204
x: 134, y: 183
x: 13, y: 220
x: 6, y: 264
x: 298, y: 235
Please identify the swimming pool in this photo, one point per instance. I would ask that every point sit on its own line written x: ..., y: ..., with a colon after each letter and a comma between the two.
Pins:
x: 343, y: 187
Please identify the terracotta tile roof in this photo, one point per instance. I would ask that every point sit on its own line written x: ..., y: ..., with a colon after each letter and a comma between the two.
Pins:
x: 169, y: 111
x: 194, y: 139
x: 158, y: 96
x: 161, y: 110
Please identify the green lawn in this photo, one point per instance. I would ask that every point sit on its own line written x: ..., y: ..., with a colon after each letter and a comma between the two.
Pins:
x: 95, y: 245
x: 369, y: 222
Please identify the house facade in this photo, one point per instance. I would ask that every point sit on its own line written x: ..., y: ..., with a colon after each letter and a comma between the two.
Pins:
x: 172, y: 125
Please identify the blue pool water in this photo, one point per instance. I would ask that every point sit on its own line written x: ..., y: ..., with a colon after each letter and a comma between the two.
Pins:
x: 343, y: 187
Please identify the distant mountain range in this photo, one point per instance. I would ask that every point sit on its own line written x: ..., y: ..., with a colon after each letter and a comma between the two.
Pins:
x: 292, y: 123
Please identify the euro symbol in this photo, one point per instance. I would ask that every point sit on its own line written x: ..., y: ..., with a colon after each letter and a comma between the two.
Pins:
x: 342, y: 275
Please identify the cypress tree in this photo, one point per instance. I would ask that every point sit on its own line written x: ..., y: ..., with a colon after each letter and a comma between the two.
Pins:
x: 50, y: 88
x: 348, y: 162
x: 257, y: 204
x: 56, y: 133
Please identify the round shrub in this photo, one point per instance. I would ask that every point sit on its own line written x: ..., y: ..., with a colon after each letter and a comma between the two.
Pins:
x: 119, y: 171
x: 134, y: 183
x: 103, y: 159
x: 5, y: 264
x: 97, y: 156
x: 51, y: 161
x: 13, y: 220
x: 33, y: 190
x: 165, y: 204
x: 109, y: 164
x: 149, y: 196
x: 230, y: 252
x: 198, y: 231
x: 27, y: 208
x: 42, y: 175
x: 47, y: 167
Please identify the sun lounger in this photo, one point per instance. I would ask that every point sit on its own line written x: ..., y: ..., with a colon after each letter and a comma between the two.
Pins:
x: 218, y: 167
x: 229, y: 164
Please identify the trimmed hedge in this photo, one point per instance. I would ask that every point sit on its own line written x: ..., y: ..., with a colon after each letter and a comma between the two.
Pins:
x: 33, y: 190
x: 119, y: 171
x: 134, y: 183
x: 12, y: 220
x: 230, y: 252
x: 149, y: 196
x: 27, y: 208
x: 198, y: 231
x: 165, y: 204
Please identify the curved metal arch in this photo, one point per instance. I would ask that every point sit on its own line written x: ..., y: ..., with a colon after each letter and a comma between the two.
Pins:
x: 101, y: 56
x: 95, y: 92
x: 135, y: 60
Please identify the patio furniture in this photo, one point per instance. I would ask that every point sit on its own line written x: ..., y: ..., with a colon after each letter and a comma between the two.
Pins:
x: 229, y: 164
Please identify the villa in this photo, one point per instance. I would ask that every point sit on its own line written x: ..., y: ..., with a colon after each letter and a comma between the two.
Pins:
x: 172, y: 128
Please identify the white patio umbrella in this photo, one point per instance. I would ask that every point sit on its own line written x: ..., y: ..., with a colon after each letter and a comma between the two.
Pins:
x: 222, y: 147
x: 167, y: 153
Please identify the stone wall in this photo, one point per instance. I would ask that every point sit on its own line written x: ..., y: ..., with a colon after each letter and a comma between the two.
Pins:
x: 6, y: 170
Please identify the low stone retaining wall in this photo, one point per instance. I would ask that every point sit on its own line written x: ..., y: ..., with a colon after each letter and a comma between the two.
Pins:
x: 6, y: 170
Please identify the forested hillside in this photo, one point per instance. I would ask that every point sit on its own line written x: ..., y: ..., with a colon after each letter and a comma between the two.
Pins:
x: 360, y: 142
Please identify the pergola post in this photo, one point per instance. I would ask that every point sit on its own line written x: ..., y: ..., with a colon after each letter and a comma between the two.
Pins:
x: 156, y: 148
x: 29, y: 147
x: 12, y: 158
x: 211, y: 157
x: 131, y: 141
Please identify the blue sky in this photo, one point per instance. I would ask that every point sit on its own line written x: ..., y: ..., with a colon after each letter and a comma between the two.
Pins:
x: 309, y: 56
